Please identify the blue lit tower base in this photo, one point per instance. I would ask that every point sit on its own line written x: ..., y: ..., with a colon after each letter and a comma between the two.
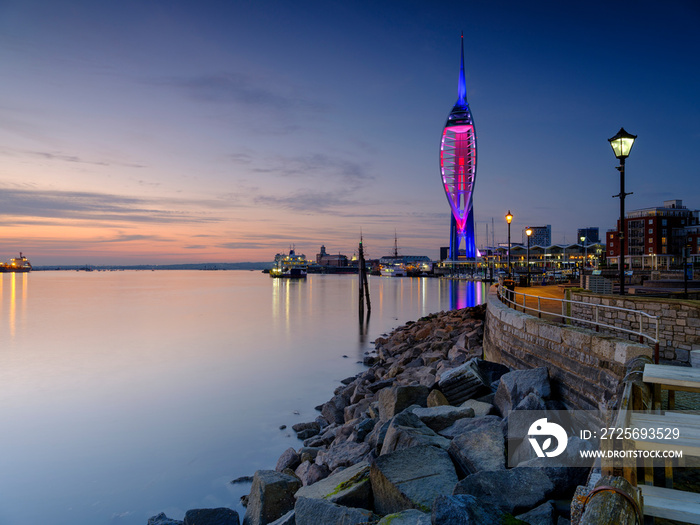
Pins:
x: 467, y: 236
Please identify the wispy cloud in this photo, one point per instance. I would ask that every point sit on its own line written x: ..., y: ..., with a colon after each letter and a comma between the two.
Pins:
x: 237, y: 88
x: 66, y: 157
x: 352, y: 172
x: 307, y: 201
x: 97, y: 206
x: 244, y: 245
x: 132, y: 238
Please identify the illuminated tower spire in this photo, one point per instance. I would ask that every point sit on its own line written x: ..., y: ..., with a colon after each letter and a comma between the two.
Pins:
x: 458, y: 170
x: 462, y: 86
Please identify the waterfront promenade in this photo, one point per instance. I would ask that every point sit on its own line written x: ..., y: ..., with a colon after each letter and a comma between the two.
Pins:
x: 550, y: 297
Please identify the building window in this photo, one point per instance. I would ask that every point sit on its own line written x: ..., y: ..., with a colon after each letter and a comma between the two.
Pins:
x: 663, y: 241
x: 651, y: 221
x: 651, y: 241
x: 611, y: 252
x: 651, y: 230
x: 663, y: 222
x: 649, y: 250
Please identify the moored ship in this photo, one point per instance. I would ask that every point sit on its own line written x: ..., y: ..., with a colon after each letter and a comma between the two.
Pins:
x: 18, y: 264
x: 290, y: 266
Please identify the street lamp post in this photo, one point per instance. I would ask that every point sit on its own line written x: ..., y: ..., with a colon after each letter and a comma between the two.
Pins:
x: 509, y: 219
x: 585, y: 253
x: 528, y: 232
x: 622, y: 144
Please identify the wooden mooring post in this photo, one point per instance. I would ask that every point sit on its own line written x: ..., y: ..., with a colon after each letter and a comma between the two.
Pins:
x: 364, y: 285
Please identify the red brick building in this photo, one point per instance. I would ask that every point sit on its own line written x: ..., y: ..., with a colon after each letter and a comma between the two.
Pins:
x: 656, y: 236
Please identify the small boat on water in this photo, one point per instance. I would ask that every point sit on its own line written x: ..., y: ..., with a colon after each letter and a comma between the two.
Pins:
x: 16, y: 265
x: 290, y: 266
x: 393, y: 269
x: 393, y: 265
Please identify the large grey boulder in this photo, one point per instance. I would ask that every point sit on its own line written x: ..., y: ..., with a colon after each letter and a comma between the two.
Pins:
x: 309, y: 472
x: 334, y: 410
x: 271, y: 496
x: 479, y: 407
x: 514, y: 490
x: 514, y: 386
x: 406, y: 430
x: 162, y: 519
x: 462, y: 383
x: 441, y: 417
x: 318, y: 511
x: 411, y: 479
x: 465, y: 509
x: 467, y: 425
x: 399, y: 397
x: 343, y: 455
x: 376, y: 437
x: 288, y: 459
x: 406, y: 517
x: 219, y: 516
x: 481, y: 448
x: 349, y: 487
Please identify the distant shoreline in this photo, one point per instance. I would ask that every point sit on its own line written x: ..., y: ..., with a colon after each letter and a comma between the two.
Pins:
x: 186, y: 266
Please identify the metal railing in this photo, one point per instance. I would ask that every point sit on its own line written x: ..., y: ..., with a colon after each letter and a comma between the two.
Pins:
x: 651, y: 335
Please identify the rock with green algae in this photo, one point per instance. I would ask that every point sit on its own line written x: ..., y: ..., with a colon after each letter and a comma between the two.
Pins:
x: 349, y: 487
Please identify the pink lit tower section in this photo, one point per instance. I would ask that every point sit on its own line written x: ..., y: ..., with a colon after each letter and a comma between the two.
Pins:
x: 458, y: 170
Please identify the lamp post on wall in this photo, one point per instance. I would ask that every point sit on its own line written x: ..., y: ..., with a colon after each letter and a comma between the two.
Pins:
x: 622, y: 144
x: 528, y: 232
x: 509, y: 219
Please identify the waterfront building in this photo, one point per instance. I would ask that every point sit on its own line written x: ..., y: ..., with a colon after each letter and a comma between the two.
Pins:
x: 458, y: 171
x: 592, y: 235
x: 541, y: 235
x: 556, y: 256
x: 326, y: 259
x: 656, y: 236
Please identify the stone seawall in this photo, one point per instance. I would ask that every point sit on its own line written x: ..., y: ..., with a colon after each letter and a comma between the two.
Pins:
x: 679, y: 321
x: 586, y: 368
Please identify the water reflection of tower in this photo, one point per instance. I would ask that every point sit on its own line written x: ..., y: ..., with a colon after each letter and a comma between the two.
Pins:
x: 458, y: 170
x: 465, y: 294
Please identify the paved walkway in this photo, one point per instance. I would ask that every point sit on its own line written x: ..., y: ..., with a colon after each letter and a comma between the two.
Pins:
x: 550, y: 298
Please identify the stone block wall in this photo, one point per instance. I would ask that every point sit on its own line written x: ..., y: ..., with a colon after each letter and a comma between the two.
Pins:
x: 679, y: 321
x: 585, y: 368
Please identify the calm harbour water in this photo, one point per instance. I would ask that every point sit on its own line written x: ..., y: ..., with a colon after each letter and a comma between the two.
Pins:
x: 126, y: 394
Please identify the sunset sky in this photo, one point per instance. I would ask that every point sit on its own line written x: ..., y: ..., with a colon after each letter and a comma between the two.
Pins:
x: 169, y: 131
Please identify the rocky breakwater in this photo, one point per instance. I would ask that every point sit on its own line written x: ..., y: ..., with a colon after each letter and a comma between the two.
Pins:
x: 420, y: 437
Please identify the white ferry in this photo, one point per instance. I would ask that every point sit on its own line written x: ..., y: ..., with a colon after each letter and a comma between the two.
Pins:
x: 290, y: 266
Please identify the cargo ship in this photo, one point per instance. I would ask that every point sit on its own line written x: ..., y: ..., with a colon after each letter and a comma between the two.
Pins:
x: 17, y: 265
